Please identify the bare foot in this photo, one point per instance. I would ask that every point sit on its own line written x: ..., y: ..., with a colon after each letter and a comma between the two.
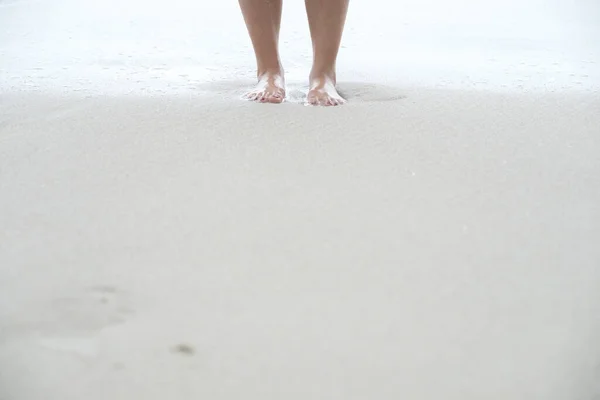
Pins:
x: 323, y: 92
x: 269, y: 89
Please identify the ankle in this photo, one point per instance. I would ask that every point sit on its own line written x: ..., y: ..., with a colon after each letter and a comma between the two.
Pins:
x: 266, y: 70
x: 323, y: 73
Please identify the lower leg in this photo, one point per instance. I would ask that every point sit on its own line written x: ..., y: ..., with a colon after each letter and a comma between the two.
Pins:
x: 326, y: 20
x: 263, y: 20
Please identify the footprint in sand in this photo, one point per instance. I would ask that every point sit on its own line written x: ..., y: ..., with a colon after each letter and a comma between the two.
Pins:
x: 92, y: 309
x: 70, y: 324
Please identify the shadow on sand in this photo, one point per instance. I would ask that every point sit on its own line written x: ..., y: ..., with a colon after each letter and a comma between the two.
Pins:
x: 296, y: 92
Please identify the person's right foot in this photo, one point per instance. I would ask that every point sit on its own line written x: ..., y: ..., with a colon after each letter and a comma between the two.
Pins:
x: 269, y: 89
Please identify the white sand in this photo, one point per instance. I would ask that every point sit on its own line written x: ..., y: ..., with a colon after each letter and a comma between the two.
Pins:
x: 436, y: 238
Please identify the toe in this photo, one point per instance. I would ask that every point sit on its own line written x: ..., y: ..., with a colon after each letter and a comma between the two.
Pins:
x: 275, y: 98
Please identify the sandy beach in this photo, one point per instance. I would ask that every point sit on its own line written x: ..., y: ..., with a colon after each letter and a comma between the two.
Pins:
x: 435, y: 238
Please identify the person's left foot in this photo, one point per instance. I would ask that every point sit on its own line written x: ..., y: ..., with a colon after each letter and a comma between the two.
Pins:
x: 322, y: 91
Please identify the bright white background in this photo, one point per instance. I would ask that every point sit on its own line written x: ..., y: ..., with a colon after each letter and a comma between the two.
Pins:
x: 155, y: 46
